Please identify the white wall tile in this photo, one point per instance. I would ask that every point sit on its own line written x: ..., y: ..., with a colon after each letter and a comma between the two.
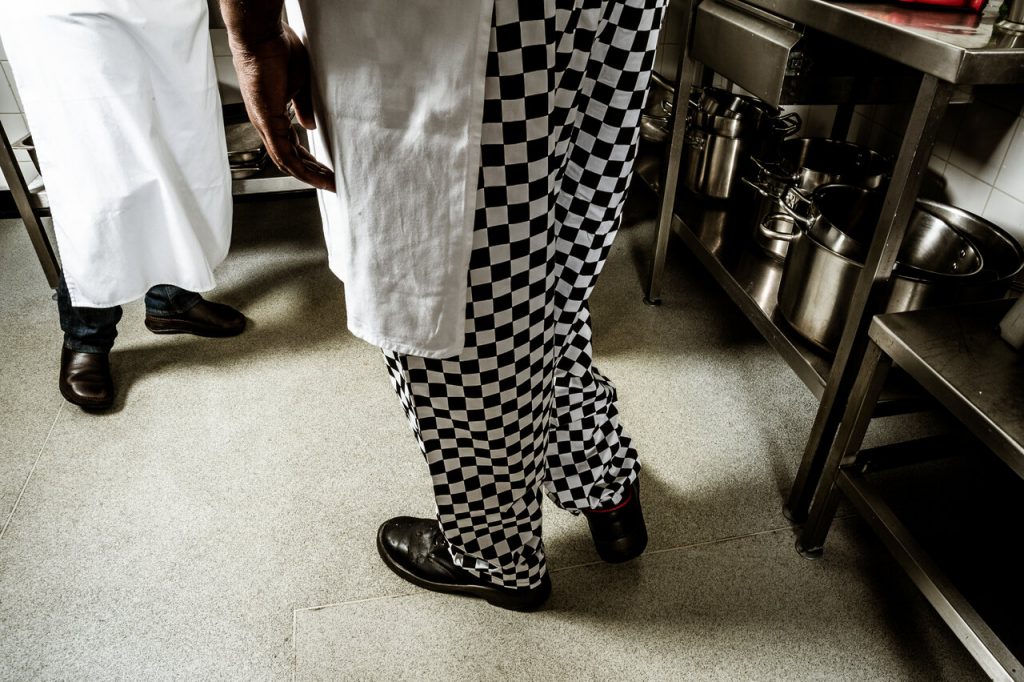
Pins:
x: 227, y: 79
x: 948, y: 130
x: 8, y: 102
x: 14, y: 126
x: 219, y: 39
x: 933, y: 184
x: 670, y: 53
x: 3, y: 55
x: 817, y: 121
x: 1011, y: 173
x: 982, y: 141
x: 1007, y: 212
x: 965, y: 190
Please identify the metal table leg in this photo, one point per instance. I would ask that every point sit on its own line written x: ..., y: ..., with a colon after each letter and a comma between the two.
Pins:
x: 34, y: 226
x: 929, y: 108
x: 685, y: 76
x: 866, y: 389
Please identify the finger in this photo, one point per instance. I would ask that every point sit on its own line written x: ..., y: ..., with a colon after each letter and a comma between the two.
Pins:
x: 288, y: 156
x: 312, y: 163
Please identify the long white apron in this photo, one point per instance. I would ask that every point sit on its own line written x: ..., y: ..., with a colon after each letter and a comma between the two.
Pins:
x: 399, y: 86
x: 121, y: 97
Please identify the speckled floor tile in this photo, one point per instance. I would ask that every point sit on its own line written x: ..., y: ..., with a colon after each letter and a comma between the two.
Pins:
x: 749, y: 609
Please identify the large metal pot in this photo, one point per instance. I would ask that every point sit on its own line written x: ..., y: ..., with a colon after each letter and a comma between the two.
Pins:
x: 811, y: 162
x: 722, y: 133
x: 936, y: 266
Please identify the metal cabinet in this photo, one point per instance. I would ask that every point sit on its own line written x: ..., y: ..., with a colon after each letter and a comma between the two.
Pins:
x: 941, y: 51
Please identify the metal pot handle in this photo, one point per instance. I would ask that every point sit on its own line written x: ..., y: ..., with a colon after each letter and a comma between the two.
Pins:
x: 775, y: 234
x: 770, y: 169
x: 803, y: 221
x: 758, y: 187
x: 789, y: 124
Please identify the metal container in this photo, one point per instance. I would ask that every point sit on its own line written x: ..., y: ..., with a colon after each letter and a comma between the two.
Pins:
x: 724, y: 130
x: 937, y: 265
x: 656, y: 120
x: 770, y: 228
x: 802, y: 165
x: 811, y: 162
x: 1003, y: 255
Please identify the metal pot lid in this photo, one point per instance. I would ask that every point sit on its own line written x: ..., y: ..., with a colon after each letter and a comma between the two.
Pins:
x: 838, y: 158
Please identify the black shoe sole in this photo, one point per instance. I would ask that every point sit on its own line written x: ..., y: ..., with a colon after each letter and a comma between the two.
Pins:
x: 159, y: 325
x: 495, y: 596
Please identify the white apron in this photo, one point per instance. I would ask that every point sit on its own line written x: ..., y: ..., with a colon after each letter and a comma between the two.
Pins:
x: 121, y: 97
x: 399, y: 86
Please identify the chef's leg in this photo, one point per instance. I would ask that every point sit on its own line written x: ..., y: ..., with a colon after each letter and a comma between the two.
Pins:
x: 591, y: 461
x: 166, y: 300
x: 86, y: 330
x: 481, y: 419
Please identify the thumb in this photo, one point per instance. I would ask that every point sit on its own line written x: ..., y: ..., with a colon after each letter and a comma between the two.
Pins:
x: 303, y: 104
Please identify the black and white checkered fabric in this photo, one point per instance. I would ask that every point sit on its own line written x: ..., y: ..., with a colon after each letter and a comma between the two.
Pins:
x: 523, y: 409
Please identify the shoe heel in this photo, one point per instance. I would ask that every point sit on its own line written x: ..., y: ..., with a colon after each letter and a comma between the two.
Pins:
x: 623, y: 549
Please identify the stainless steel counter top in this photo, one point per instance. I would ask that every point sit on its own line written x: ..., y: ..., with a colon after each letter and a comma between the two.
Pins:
x: 955, y: 47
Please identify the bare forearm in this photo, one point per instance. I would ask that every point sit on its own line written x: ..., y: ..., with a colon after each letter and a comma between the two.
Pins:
x: 251, y: 22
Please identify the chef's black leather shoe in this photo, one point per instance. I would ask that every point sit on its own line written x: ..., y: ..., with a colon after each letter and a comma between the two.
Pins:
x: 619, y: 533
x: 415, y: 550
x: 85, y: 379
x: 205, y: 318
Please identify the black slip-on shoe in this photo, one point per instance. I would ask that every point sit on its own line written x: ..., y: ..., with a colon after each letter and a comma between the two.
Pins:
x: 205, y: 318
x: 85, y: 379
x: 619, y: 533
x: 416, y: 551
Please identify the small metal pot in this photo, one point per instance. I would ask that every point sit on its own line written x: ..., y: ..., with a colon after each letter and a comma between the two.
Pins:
x: 722, y: 133
x: 656, y: 120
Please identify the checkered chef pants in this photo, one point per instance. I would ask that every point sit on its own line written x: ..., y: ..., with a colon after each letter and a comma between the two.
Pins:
x: 523, y: 407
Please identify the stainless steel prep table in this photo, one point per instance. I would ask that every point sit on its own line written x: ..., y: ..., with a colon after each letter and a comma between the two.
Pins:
x: 946, y: 50
x: 958, y: 356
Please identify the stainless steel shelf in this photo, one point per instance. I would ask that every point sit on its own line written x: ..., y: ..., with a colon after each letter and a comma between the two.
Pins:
x: 720, y: 236
x: 957, y: 355
x: 947, y: 536
x: 956, y: 47
x: 268, y: 181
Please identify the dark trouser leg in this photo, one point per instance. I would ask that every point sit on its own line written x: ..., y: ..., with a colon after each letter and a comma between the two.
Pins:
x: 86, y: 330
x: 167, y: 300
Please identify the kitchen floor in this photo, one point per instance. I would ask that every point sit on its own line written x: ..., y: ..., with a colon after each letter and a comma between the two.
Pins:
x: 219, y: 523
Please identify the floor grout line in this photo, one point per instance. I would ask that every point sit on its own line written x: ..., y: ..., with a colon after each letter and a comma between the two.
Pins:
x: 653, y: 552
x: 692, y: 545
x: 356, y: 601
x: 295, y: 651
x: 28, y: 479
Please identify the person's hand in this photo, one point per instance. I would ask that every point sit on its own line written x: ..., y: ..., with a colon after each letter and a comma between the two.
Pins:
x: 272, y: 74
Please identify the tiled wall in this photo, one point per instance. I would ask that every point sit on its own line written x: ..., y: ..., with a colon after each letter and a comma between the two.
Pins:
x: 978, y: 160
x: 13, y: 119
